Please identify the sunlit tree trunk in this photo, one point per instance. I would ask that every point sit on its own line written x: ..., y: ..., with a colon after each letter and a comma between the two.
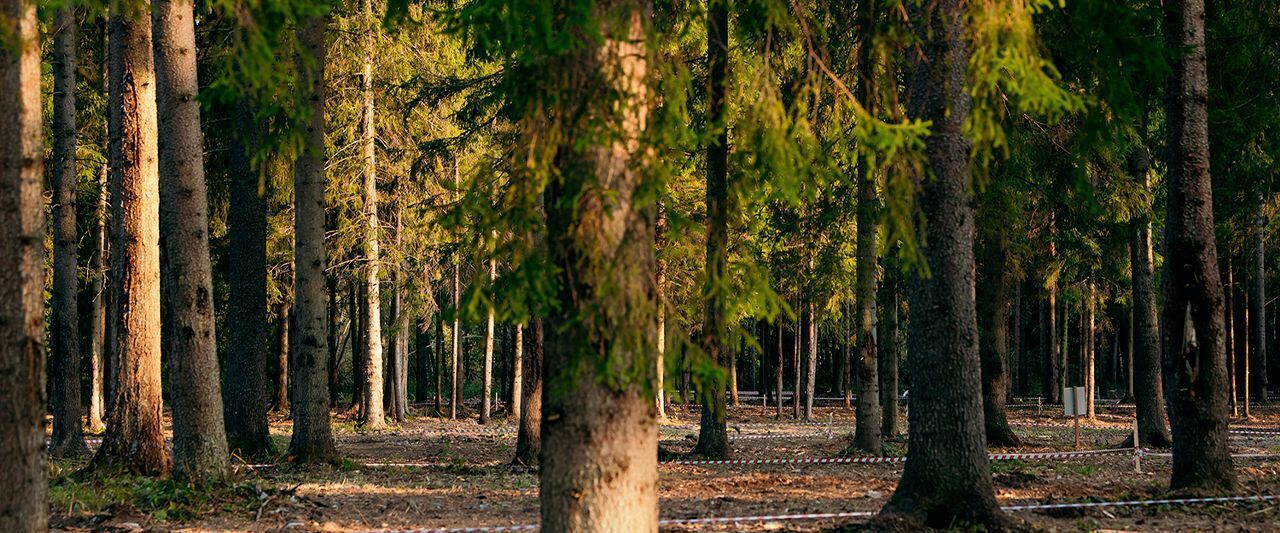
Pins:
x: 135, y: 427
x: 867, y: 436
x: 599, y: 459
x: 1089, y: 359
x: 1056, y: 372
x: 98, y: 307
x: 947, y: 476
x: 199, y: 439
x: 529, y: 438
x: 660, y: 336
x: 517, y: 374
x: 281, y: 404
x: 23, y: 506
x: 486, y: 402
x: 1257, y: 297
x: 1153, y: 423
x: 713, y: 438
x: 67, y: 437
x: 372, y: 415
x: 312, y: 436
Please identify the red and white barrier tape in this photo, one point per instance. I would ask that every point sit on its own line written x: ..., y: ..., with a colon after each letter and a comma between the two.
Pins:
x: 899, y: 459
x: 865, y: 514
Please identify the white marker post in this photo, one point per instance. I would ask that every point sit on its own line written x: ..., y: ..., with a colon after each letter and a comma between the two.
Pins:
x: 1073, y: 404
x: 1137, y: 449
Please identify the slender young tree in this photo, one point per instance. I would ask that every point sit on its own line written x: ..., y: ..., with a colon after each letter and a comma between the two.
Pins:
x: 517, y: 374
x: 948, y: 476
x: 246, y: 384
x: 312, y: 436
x: 486, y: 402
x: 1194, y: 362
x: 67, y: 438
x: 98, y: 367
x: 713, y: 439
x: 281, y: 404
x: 994, y: 273
x: 23, y: 503
x: 135, y: 428
x: 199, y: 440
x: 1257, y: 253
x: 660, y: 336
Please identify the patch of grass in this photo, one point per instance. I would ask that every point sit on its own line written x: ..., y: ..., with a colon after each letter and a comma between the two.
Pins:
x: 1005, y: 467
x: 162, y: 499
x: 1077, y: 469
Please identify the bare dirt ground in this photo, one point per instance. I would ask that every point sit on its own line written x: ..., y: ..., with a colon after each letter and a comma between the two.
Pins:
x: 431, y: 473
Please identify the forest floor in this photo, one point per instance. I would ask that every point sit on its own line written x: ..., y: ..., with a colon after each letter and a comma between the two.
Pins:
x: 430, y: 473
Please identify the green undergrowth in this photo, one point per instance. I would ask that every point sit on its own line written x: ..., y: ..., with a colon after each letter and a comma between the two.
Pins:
x: 162, y: 499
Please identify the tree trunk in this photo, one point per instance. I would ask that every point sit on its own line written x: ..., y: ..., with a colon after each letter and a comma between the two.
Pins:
x: 24, y: 506
x: 135, y: 429
x: 199, y: 438
x: 64, y: 320
x: 98, y: 314
x: 796, y: 367
x: 312, y: 437
x: 947, y: 476
x: 598, y: 418
x: 867, y: 436
x: 438, y: 361
x: 1194, y: 363
x: 993, y: 336
x: 371, y: 414
x: 660, y: 244
x: 1153, y: 423
x: 1257, y: 298
x: 1088, y: 359
x: 889, y: 357
x: 281, y: 404
x: 426, y: 355
x: 400, y: 351
x: 713, y: 438
x: 517, y: 374
x: 486, y: 402
x: 1229, y: 334
x: 1057, y: 373
x: 779, y: 370
x: 529, y: 439
x: 331, y: 336
x: 455, y: 391
x: 247, y: 384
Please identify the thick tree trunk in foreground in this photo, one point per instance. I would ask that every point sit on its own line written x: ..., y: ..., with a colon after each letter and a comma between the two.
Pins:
x: 599, y: 460
x: 312, y: 437
x: 993, y: 337
x: 23, y: 505
x: 64, y: 319
x: 1148, y: 393
x: 135, y: 429
x: 199, y: 439
x: 713, y: 438
x: 947, y: 478
x: 1194, y: 362
x: 529, y: 439
x: 247, y: 385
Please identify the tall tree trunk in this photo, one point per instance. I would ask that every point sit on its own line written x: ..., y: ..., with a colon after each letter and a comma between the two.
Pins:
x: 23, y: 506
x: 438, y: 361
x: 517, y: 374
x: 993, y: 336
x: 1057, y: 378
x: 281, y: 404
x: 455, y: 388
x: 247, y: 387
x: 947, y: 477
x: 371, y: 412
x: 199, y: 439
x: 889, y: 357
x: 358, y: 345
x: 1153, y: 422
x: 64, y: 319
x: 660, y: 245
x: 312, y: 436
x: 779, y: 370
x: 796, y: 367
x: 713, y: 438
x: 400, y: 350
x: 486, y: 402
x: 529, y: 438
x: 98, y: 307
x: 1088, y: 359
x: 1258, y: 297
x: 1194, y: 363
x: 867, y: 436
x: 135, y: 428
x: 425, y: 355
x: 331, y: 337
x: 599, y: 419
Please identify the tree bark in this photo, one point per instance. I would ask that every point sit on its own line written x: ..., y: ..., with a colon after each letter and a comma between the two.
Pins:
x: 947, y: 478
x: 1194, y: 363
x: 331, y: 337
x: 281, y: 404
x: 713, y: 438
x: 371, y: 415
x: 400, y: 350
x: 1257, y: 298
x: 67, y: 437
x: 438, y: 361
x: 867, y: 432
x: 135, y: 429
x: 247, y: 387
x: 23, y: 507
x: 889, y: 357
x: 517, y: 374
x: 98, y: 308
x: 199, y: 438
x: 810, y: 342
x: 779, y: 370
x: 529, y: 438
x: 660, y: 244
x: 486, y: 402
x: 1153, y: 423
x: 1088, y: 359
x: 1057, y: 377
x: 425, y: 357
x: 599, y: 461
x: 312, y: 437
x: 993, y: 336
